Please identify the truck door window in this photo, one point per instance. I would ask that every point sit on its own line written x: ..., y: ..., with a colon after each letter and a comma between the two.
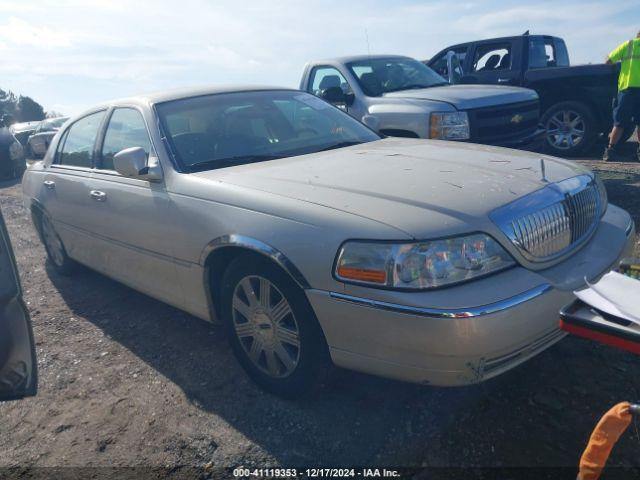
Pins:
x: 544, y: 52
x: 323, y: 78
x: 440, y: 65
x: 492, y: 56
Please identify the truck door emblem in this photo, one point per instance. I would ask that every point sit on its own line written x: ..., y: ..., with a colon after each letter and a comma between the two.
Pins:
x: 517, y: 118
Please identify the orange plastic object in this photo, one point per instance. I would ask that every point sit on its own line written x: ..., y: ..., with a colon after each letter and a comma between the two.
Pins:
x: 604, y: 437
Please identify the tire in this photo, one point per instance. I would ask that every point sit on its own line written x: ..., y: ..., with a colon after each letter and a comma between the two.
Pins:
x: 571, y: 129
x: 56, y: 253
x: 279, y: 345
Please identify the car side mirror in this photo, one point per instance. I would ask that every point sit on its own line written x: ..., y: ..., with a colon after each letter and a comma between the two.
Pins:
x: 133, y: 163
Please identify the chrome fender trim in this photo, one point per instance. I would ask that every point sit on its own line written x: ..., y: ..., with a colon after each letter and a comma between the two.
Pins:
x: 447, y: 313
x: 249, y: 243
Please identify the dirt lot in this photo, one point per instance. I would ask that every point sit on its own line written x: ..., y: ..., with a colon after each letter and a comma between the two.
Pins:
x: 126, y: 380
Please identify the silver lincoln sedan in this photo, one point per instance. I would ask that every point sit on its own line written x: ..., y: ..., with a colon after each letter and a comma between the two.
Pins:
x: 314, y: 241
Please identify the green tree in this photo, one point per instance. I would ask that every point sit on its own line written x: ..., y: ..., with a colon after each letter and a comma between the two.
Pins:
x: 28, y: 110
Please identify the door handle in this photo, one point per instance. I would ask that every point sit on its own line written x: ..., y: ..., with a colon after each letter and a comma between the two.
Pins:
x: 98, y: 196
x: 503, y: 80
x: 50, y: 184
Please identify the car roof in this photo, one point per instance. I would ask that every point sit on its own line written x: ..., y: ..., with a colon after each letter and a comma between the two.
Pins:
x: 355, y: 58
x: 177, y: 94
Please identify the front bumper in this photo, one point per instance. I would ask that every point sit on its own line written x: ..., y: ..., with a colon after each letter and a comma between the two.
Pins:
x: 413, y: 337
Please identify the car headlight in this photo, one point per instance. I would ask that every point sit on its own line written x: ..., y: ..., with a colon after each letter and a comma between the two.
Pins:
x: 449, y: 126
x: 15, y: 151
x: 420, y: 265
x: 602, y: 193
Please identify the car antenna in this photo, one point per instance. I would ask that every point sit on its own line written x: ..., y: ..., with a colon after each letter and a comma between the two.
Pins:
x: 525, y: 33
x: 366, y: 36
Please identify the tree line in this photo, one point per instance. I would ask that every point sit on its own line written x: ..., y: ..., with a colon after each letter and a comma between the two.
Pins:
x: 20, y: 108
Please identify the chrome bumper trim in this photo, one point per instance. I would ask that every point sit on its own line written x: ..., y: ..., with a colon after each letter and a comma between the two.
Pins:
x: 447, y: 313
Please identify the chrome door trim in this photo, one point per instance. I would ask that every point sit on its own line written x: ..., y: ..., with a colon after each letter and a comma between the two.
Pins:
x: 470, y: 312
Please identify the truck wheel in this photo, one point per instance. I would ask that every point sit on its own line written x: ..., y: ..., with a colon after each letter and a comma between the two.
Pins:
x: 272, y: 328
x: 570, y: 128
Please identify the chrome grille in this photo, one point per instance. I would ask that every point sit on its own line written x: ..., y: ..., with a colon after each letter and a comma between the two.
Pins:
x: 552, y: 221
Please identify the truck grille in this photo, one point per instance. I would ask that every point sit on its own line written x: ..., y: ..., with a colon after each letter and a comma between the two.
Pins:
x: 554, y: 220
x: 504, y: 123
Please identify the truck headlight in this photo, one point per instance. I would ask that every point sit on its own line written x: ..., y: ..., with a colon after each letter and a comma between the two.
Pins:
x: 420, y: 265
x: 449, y: 126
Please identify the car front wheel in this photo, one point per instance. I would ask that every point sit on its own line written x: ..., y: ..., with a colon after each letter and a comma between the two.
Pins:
x: 272, y: 328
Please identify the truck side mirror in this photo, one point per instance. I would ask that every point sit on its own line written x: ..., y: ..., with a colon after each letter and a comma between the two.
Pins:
x: 337, y: 97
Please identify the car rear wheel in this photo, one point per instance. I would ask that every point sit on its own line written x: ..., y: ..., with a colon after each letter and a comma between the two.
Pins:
x: 55, y: 248
x: 570, y: 128
x: 272, y: 328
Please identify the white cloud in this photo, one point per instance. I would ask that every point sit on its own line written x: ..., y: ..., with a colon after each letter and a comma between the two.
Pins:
x: 75, y: 53
x: 22, y: 33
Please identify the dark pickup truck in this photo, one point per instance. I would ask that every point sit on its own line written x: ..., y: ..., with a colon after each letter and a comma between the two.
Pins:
x: 576, y: 101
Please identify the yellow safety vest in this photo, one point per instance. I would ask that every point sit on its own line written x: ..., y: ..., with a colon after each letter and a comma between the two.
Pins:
x: 628, y: 54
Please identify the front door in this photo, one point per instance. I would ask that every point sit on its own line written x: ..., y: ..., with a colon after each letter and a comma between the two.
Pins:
x: 131, y: 218
x: 18, y: 366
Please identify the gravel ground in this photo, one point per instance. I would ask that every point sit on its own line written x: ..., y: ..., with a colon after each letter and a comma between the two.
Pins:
x: 128, y: 381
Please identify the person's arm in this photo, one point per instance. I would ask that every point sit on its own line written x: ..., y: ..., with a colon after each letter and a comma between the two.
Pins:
x: 617, y: 54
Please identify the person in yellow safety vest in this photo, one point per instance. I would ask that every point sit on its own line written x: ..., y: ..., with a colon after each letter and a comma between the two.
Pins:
x: 627, y: 105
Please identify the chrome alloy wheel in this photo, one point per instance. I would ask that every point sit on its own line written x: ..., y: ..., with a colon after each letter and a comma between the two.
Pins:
x: 565, y: 129
x: 52, y: 241
x: 266, y: 326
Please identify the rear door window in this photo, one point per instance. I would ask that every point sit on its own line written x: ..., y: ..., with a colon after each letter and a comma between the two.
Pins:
x: 126, y: 129
x: 545, y: 52
x: 79, y: 141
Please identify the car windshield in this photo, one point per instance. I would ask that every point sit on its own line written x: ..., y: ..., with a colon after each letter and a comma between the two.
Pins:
x: 53, y: 124
x: 226, y: 129
x: 377, y: 76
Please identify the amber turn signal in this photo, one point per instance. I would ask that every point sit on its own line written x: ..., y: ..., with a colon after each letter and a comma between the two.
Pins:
x: 362, y: 274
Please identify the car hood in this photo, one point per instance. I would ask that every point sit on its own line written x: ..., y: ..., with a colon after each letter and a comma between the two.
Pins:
x: 466, y: 97
x: 424, y: 188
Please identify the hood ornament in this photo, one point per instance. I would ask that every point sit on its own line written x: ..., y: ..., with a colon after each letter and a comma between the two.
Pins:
x: 543, y: 171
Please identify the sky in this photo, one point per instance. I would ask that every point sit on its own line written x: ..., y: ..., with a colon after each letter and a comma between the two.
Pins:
x: 71, y: 54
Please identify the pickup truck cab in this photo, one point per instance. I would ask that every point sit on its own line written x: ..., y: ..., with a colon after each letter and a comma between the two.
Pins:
x: 575, y: 101
x: 401, y: 97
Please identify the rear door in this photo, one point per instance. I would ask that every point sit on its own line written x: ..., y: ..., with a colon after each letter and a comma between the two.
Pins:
x: 494, y: 62
x: 67, y: 186
x: 18, y: 367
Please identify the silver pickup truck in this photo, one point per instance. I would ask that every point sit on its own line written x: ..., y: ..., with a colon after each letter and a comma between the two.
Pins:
x: 399, y: 96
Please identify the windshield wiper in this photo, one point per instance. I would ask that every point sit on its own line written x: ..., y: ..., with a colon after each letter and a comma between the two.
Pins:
x: 339, y: 145
x: 230, y: 161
